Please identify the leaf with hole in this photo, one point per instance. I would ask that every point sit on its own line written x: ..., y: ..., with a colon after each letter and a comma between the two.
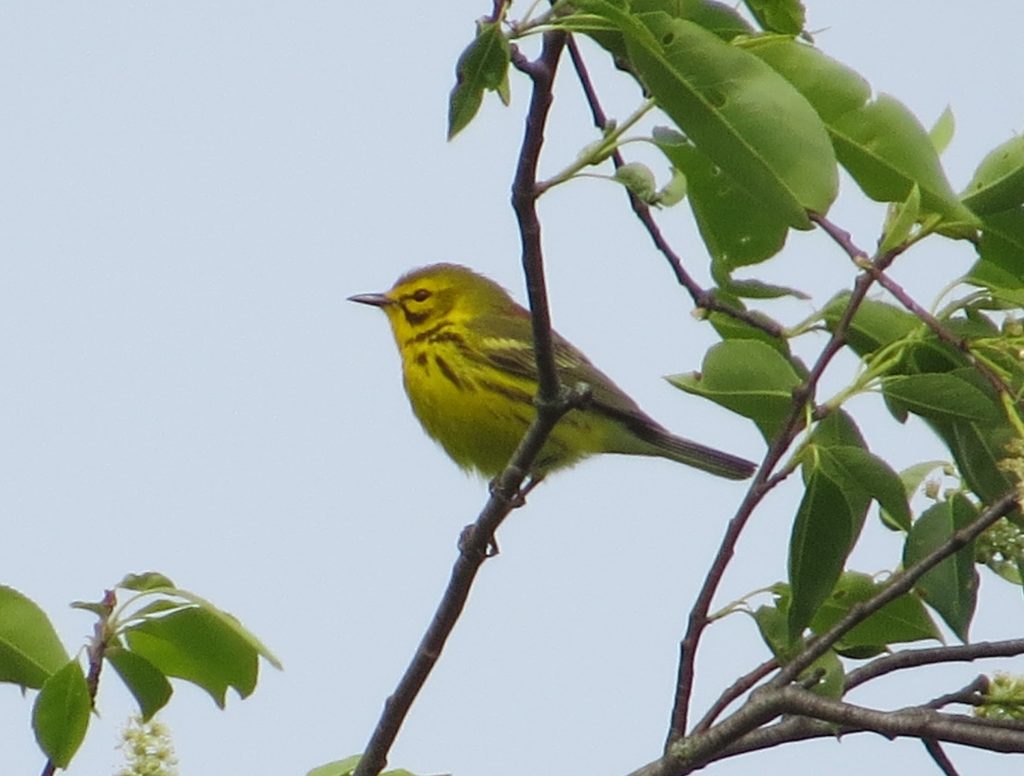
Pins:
x: 886, y: 150
x: 998, y: 183
x: 746, y: 118
x: 736, y: 229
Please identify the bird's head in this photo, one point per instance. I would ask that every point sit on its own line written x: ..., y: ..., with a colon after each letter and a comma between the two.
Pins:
x: 425, y: 297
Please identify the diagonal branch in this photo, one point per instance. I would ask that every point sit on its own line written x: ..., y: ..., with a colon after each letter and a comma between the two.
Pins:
x: 552, y: 404
x: 702, y: 297
x: 962, y: 345
x: 762, y: 484
x: 943, y: 762
x: 900, y: 583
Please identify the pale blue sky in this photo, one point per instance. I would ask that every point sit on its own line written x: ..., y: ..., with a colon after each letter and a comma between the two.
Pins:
x: 190, y: 191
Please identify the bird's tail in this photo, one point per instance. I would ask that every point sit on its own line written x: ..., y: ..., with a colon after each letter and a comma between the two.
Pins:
x: 695, y: 454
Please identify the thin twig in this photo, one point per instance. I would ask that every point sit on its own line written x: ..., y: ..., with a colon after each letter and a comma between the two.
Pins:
x: 734, y: 691
x: 524, y: 203
x: 960, y: 344
x: 702, y: 297
x: 939, y: 756
x: 552, y: 404
x: 971, y: 695
x: 912, y: 658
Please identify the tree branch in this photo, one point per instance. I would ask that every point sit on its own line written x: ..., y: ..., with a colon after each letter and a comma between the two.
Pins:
x: 814, y: 716
x: 900, y: 294
x: 940, y: 758
x: 912, y: 658
x: 760, y: 487
x: 971, y: 695
x: 734, y: 691
x: 552, y: 404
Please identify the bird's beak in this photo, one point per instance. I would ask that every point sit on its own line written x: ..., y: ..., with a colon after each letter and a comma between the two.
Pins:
x: 377, y: 300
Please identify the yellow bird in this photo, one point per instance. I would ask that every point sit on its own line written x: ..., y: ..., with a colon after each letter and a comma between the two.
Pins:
x: 470, y: 374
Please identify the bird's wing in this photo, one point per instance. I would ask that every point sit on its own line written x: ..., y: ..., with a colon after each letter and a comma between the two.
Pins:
x: 512, y: 352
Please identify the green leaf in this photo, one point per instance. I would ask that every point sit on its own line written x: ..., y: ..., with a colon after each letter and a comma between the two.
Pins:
x: 745, y: 117
x: 785, y: 16
x: 736, y: 228
x: 951, y: 587
x: 748, y: 377
x: 838, y: 429
x: 941, y: 133
x: 886, y: 150
x: 998, y: 183
x: 943, y: 395
x: 771, y: 622
x: 30, y: 650
x: 338, y: 767
x: 977, y: 450
x: 757, y: 289
x: 196, y: 645
x: 823, y: 534
x: 347, y: 766
x: 902, y: 620
x: 1001, y: 283
x: 673, y: 192
x: 855, y: 469
x: 639, y: 179
x: 881, y: 144
x: 60, y: 715
x: 829, y: 86
x: 899, y: 226
x: 719, y: 18
x: 144, y: 680
x: 831, y: 676
x: 482, y: 66
x: 1002, y: 241
x: 874, y: 325
x: 729, y: 327
x: 227, y: 620
x: 147, y: 580
x: 913, y: 476
x: 750, y: 288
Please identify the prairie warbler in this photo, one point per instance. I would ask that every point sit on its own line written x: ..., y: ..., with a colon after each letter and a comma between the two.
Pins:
x: 470, y: 373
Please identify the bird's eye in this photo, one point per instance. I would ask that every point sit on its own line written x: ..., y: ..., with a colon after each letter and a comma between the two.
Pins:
x: 421, y: 295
